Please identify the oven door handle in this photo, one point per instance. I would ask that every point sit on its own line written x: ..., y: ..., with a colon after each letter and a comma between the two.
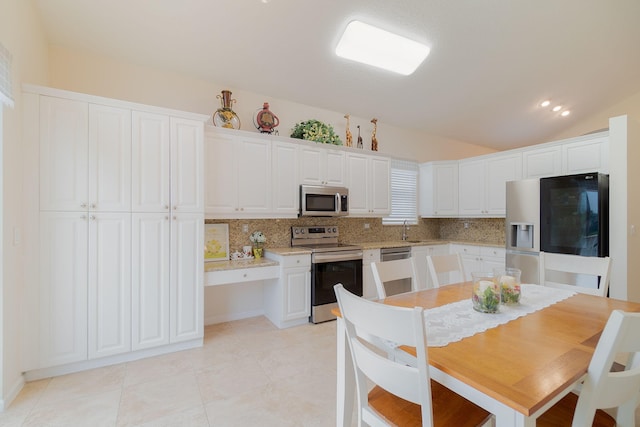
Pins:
x: 320, y: 258
x: 338, y: 203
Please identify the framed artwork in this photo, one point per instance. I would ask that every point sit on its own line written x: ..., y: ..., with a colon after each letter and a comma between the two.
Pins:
x: 216, y: 242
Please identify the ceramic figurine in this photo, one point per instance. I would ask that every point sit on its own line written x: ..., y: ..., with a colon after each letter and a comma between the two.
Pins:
x: 374, y: 140
x: 359, y: 138
x: 266, y: 121
x: 349, y: 142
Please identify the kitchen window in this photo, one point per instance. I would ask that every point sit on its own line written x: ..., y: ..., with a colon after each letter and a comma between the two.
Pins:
x: 6, y: 96
x: 404, y: 193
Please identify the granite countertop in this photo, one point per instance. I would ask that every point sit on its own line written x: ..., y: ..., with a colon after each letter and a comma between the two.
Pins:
x: 287, y: 251
x: 210, y: 267
x: 405, y: 243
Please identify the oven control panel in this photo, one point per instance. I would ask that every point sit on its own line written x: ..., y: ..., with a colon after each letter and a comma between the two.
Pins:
x: 314, y: 232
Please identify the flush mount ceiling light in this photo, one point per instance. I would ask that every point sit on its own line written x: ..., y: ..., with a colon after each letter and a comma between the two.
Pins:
x: 370, y: 45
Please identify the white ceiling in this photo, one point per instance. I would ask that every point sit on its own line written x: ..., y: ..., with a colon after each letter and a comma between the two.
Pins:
x: 491, y: 61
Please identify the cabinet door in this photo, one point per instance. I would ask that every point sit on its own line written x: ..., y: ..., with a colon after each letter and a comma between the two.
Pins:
x: 542, y: 162
x: 63, y: 288
x: 64, y: 154
x: 311, y: 166
x: 335, y: 168
x: 221, y: 175
x: 445, y: 191
x: 254, y: 175
x: 499, y: 170
x: 297, y: 293
x: 358, y: 183
x: 150, y: 159
x: 586, y: 156
x: 187, y: 271
x: 472, y: 187
x: 285, y: 189
x: 187, y: 192
x: 369, y: 290
x: 150, y: 280
x: 109, y: 159
x: 109, y: 284
x: 419, y: 255
x: 380, y: 200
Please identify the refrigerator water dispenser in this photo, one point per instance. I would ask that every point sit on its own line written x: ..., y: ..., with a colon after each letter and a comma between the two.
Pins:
x: 521, y: 235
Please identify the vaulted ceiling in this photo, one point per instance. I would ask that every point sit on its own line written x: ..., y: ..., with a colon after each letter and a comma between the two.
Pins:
x: 491, y: 61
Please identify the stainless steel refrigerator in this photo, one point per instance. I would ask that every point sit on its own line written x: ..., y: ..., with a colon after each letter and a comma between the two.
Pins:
x: 523, y: 228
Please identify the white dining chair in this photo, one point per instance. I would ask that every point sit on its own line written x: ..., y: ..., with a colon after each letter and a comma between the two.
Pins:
x: 604, y: 388
x: 445, y: 269
x: 390, y: 271
x: 402, y: 395
x: 588, y: 275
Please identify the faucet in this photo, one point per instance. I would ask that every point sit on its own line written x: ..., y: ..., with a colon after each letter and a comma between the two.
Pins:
x: 404, y: 230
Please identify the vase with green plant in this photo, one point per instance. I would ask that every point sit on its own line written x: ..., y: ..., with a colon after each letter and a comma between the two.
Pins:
x: 257, y: 238
x: 315, y: 130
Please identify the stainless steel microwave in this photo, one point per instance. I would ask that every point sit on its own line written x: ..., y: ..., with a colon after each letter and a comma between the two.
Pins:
x: 321, y: 200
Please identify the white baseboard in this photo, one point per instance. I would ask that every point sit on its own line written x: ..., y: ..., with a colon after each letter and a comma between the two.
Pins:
x: 12, y: 394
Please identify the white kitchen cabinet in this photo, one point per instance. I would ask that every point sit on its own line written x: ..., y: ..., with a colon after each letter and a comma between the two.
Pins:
x: 109, y: 284
x: 476, y: 258
x: 238, y: 176
x: 151, y: 160
x: 542, y: 162
x: 187, y: 152
x: 186, y: 286
x: 287, y: 299
x: 320, y: 165
x: 369, y: 185
x: 438, y: 189
x: 419, y: 255
x: 369, y: 289
x: 586, y: 156
x: 482, y: 184
x: 85, y: 156
x: 150, y: 280
x: 62, y: 289
x: 284, y: 186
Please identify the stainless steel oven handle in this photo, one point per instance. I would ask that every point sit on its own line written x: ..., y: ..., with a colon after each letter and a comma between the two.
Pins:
x: 338, y: 203
x: 320, y: 258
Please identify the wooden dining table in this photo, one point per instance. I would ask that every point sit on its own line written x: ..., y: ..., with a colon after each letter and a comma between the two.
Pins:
x: 516, y: 370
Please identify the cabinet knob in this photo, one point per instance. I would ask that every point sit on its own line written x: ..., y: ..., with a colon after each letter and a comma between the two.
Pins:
x: 175, y: 208
x: 175, y: 217
x: 84, y: 205
x: 166, y: 207
x: 93, y: 205
x: 83, y: 217
x: 93, y: 217
x: 244, y: 275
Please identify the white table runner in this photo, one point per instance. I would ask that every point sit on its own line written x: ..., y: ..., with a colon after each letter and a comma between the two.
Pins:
x: 458, y: 320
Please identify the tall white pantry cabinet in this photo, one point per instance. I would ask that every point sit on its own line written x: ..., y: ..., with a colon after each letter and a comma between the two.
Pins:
x: 120, y: 214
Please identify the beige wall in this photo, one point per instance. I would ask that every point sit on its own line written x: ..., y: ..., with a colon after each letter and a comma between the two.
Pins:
x: 21, y: 33
x: 103, y: 76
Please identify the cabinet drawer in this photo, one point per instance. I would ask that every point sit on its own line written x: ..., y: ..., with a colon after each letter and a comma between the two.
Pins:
x: 296, y: 261
x: 225, y: 277
x: 489, y: 251
x: 465, y: 249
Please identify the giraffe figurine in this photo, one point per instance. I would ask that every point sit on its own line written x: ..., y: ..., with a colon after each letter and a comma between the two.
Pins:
x: 374, y: 140
x: 359, y: 138
x: 349, y: 136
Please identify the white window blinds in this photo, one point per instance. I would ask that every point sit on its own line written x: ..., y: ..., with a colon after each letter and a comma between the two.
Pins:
x: 404, y: 193
x: 6, y: 93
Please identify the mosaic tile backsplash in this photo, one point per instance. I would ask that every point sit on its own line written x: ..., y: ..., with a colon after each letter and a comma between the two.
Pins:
x: 352, y: 230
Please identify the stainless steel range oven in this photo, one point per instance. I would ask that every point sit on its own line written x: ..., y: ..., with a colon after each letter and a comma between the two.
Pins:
x: 331, y: 263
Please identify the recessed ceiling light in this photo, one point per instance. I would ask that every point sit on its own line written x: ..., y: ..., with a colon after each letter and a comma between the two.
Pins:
x: 565, y: 113
x: 557, y: 108
x: 545, y: 103
x: 370, y: 45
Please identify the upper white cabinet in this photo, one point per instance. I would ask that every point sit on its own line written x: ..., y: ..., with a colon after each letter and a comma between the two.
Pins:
x: 580, y: 155
x: 237, y: 176
x: 320, y: 165
x: 438, y: 189
x: 369, y: 185
x: 85, y: 156
x: 187, y: 151
x: 482, y: 184
x: 586, y: 156
x: 285, y: 190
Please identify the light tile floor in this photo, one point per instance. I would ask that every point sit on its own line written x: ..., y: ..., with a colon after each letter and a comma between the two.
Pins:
x: 248, y: 373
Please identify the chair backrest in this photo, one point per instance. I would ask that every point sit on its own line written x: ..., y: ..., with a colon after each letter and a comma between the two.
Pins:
x: 588, y: 275
x: 365, y: 320
x: 445, y: 269
x: 605, y: 389
x: 389, y: 271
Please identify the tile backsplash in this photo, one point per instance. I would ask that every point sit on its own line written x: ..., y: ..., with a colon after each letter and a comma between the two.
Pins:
x: 353, y: 230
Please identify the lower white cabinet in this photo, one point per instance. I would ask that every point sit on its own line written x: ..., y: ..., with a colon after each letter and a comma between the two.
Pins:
x: 287, y: 299
x: 369, y: 290
x: 480, y: 258
x: 84, y: 287
x: 419, y: 255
